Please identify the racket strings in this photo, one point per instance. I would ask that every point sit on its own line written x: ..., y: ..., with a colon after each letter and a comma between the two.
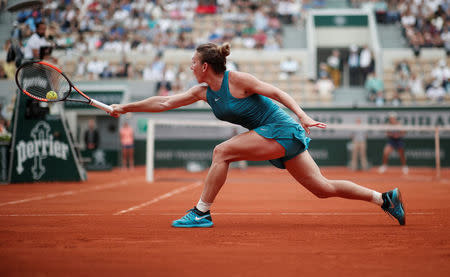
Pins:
x: 38, y: 80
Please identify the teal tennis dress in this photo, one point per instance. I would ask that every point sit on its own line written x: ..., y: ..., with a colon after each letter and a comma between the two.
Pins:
x: 262, y: 115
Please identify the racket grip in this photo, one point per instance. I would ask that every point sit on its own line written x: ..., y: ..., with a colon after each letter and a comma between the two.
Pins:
x: 101, y: 105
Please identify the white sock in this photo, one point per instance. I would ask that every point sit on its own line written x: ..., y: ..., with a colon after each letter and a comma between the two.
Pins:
x: 377, y: 198
x: 203, y: 206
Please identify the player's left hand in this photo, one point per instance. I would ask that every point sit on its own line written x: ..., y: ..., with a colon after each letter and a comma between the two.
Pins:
x: 309, y: 122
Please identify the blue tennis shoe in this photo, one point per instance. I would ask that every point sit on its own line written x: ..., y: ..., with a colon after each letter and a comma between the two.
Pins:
x: 393, y: 205
x: 194, y: 219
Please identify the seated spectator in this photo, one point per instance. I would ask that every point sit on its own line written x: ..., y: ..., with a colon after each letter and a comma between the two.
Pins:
x: 436, y: 92
x: 95, y: 67
x: 416, y: 86
x: 260, y: 39
x: 441, y: 72
x: 323, y: 69
x: 401, y: 83
x: 396, y: 100
x: 272, y: 44
x: 403, y: 67
x: 379, y: 98
x: 109, y: 70
x: 324, y: 86
x: 374, y: 85
x: 288, y: 67
x: 155, y: 71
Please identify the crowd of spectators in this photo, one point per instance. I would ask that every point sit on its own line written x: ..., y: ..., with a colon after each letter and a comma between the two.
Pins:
x: 433, y: 86
x: 152, y: 26
x: 122, y: 25
x: 425, y: 23
x: 416, y: 84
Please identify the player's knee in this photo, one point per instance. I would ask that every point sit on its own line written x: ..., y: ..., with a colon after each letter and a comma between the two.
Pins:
x: 220, y: 153
x: 323, y: 194
x: 322, y: 188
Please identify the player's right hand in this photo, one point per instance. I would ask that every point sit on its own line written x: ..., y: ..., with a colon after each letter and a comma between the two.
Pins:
x: 117, y: 110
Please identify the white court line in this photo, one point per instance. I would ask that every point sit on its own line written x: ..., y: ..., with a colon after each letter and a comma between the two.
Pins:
x: 45, y: 215
x: 357, y: 213
x: 161, y: 197
x: 66, y: 193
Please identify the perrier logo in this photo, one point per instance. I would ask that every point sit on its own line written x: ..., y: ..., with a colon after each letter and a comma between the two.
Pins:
x: 41, y: 146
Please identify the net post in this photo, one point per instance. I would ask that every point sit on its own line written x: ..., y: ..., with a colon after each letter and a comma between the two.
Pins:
x: 150, y: 151
x: 437, y: 152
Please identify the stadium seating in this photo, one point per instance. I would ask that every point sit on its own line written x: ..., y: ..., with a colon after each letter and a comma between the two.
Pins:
x: 200, y: 28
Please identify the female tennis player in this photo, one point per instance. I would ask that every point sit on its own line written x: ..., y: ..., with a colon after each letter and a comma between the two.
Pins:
x: 240, y: 98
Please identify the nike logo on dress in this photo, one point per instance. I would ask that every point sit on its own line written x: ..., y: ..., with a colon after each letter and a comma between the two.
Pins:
x: 216, y: 99
x: 202, y: 217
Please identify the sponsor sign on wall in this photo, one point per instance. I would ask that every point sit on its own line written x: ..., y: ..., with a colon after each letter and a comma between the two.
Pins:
x: 42, y: 153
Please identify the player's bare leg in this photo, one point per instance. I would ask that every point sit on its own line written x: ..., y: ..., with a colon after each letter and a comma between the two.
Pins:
x: 305, y: 170
x: 246, y: 146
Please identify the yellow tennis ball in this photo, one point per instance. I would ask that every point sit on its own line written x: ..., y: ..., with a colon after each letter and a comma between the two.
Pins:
x: 51, y: 95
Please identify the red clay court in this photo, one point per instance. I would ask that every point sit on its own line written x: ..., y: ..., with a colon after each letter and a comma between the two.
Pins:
x: 265, y: 225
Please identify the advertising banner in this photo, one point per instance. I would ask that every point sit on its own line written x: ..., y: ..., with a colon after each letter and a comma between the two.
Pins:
x: 42, y: 146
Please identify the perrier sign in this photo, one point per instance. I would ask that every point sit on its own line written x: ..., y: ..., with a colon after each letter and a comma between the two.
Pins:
x: 42, y: 148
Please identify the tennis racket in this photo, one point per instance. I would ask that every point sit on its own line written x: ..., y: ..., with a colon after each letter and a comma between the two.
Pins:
x: 47, y: 83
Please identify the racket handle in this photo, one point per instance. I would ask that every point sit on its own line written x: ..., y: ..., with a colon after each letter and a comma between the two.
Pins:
x: 101, y: 105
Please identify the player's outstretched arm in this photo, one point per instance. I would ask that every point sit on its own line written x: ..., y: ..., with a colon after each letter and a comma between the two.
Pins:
x: 156, y: 104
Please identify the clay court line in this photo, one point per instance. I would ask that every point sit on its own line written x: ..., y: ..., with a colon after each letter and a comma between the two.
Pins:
x: 161, y: 197
x: 67, y: 193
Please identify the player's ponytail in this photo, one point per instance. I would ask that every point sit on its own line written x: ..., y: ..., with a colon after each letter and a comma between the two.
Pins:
x: 224, y: 50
